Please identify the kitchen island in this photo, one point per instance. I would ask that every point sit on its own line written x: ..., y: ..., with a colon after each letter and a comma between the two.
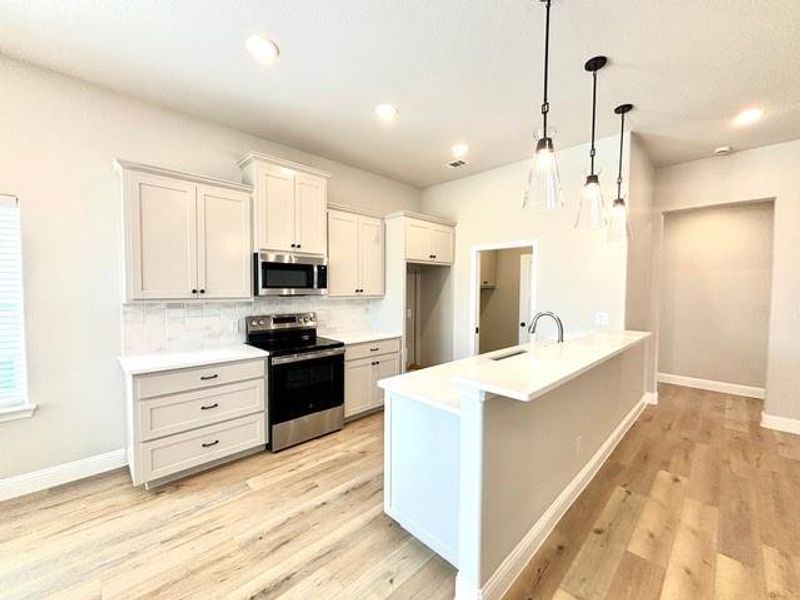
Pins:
x: 484, y: 455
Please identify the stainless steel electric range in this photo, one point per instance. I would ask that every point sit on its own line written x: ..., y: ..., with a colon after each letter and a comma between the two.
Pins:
x: 305, y: 377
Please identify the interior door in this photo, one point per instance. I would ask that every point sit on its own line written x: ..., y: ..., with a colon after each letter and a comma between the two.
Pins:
x: 418, y: 241
x: 311, y: 205
x: 223, y: 247
x: 526, y: 306
x: 342, y: 254
x: 275, y: 211
x: 370, y: 242
x: 163, y: 237
x: 387, y: 366
x: 442, y: 244
x: 357, y: 381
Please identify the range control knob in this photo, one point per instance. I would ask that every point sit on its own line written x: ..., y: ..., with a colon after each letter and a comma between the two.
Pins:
x: 261, y: 322
x: 253, y: 323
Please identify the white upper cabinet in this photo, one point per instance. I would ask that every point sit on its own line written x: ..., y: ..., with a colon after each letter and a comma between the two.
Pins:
x: 290, y: 205
x: 186, y: 236
x: 355, y: 254
x: 429, y: 242
x: 223, y: 242
x: 311, y: 206
x: 342, y: 253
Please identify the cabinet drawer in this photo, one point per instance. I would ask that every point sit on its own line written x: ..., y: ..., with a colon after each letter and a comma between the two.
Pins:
x: 186, y: 450
x: 366, y: 349
x: 167, y: 415
x: 159, y: 384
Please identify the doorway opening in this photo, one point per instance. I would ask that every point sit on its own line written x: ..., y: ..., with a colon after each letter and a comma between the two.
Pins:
x: 715, y: 296
x: 504, y: 294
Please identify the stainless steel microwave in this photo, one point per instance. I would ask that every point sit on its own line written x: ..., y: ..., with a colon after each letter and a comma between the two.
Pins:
x: 279, y: 274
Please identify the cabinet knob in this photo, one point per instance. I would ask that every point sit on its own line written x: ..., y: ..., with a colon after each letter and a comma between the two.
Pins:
x: 202, y: 291
x: 194, y: 291
x: 293, y: 245
x: 299, y: 245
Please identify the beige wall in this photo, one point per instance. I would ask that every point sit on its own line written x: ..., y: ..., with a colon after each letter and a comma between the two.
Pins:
x: 716, y: 269
x: 762, y: 173
x: 499, y: 317
x: 579, y: 272
x: 57, y: 140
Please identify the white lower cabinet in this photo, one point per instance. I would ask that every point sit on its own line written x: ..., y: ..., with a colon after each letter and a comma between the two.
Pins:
x: 184, y: 419
x: 366, y: 364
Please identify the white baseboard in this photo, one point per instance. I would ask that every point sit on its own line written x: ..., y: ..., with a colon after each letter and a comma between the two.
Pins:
x: 712, y: 386
x: 513, y: 565
x: 650, y: 398
x: 785, y: 424
x: 35, y: 481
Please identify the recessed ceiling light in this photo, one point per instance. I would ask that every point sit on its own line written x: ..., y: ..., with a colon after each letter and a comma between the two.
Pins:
x: 263, y: 50
x: 386, y: 112
x: 748, y: 117
x: 459, y: 150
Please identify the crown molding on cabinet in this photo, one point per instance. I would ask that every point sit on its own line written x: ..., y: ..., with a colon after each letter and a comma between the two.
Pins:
x: 354, y: 210
x: 128, y: 165
x: 420, y: 217
x: 281, y: 162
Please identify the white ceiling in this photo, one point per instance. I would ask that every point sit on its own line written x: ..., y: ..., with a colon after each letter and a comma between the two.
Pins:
x: 458, y: 70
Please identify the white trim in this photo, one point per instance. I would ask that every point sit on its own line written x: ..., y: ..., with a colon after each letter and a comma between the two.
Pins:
x: 12, y: 413
x: 514, y: 564
x: 35, y: 481
x: 128, y: 165
x: 420, y: 217
x: 650, y: 398
x: 281, y: 162
x: 712, y: 386
x: 475, y: 286
x: 353, y: 210
x: 785, y: 424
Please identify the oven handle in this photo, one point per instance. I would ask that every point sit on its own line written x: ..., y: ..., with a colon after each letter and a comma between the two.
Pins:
x: 302, y: 356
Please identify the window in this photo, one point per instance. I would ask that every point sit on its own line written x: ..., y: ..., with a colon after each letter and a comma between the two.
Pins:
x: 13, y: 387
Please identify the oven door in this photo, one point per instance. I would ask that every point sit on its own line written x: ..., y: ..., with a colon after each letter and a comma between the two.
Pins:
x: 290, y: 275
x: 303, y: 384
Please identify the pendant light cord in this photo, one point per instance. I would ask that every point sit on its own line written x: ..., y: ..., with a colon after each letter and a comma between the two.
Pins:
x: 594, y: 119
x: 545, y: 103
x: 621, y: 141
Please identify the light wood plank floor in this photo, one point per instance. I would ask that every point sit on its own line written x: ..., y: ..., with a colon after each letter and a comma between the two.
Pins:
x: 697, y: 501
x: 305, y: 523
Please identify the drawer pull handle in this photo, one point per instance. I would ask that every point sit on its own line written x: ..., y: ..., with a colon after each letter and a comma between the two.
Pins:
x: 375, y: 349
x: 207, y: 377
x: 208, y: 445
x: 376, y: 362
x: 210, y: 406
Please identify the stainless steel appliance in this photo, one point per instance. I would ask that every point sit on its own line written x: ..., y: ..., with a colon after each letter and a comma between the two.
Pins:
x: 305, y: 377
x: 279, y: 274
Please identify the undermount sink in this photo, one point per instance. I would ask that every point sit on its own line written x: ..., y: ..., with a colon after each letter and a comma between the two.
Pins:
x: 508, y: 355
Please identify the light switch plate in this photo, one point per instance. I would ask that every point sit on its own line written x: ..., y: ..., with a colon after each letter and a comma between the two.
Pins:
x: 602, y: 319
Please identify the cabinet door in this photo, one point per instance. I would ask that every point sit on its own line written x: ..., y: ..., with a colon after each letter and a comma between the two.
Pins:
x: 442, y: 244
x: 275, y: 210
x: 387, y: 365
x: 358, y: 386
x: 342, y: 254
x: 162, y: 234
x: 489, y: 268
x: 371, y: 256
x: 418, y: 241
x: 311, y: 197
x: 223, y: 247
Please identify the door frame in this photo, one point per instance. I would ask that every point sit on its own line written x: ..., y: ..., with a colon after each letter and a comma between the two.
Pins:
x: 475, y: 287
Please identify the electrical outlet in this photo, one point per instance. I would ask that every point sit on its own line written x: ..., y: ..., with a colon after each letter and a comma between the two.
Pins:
x: 602, y: 319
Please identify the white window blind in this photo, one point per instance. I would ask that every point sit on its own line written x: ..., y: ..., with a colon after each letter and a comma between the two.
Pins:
x: 13, y: 388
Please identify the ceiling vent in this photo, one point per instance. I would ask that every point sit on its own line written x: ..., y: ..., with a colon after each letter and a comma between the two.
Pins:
x: 455, y: 164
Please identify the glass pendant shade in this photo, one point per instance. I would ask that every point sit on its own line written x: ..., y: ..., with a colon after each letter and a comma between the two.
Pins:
x: 544, y: 185
x: 591, y: 214
x: 619, y: 228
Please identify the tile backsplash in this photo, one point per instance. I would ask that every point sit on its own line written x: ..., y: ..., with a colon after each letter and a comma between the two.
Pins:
x: 177, y: 326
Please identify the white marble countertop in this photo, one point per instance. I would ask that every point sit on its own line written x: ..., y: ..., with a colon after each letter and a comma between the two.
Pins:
x: 358, y: 337
x: 136, y: 364
x: 538, y: 368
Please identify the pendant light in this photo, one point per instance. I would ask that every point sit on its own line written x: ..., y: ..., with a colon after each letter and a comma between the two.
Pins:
x: 544, y: 186
x: 619, y: 228
x: 591, y: 213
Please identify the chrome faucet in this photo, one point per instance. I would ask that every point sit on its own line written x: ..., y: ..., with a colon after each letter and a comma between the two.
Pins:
x: 547, y: 313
